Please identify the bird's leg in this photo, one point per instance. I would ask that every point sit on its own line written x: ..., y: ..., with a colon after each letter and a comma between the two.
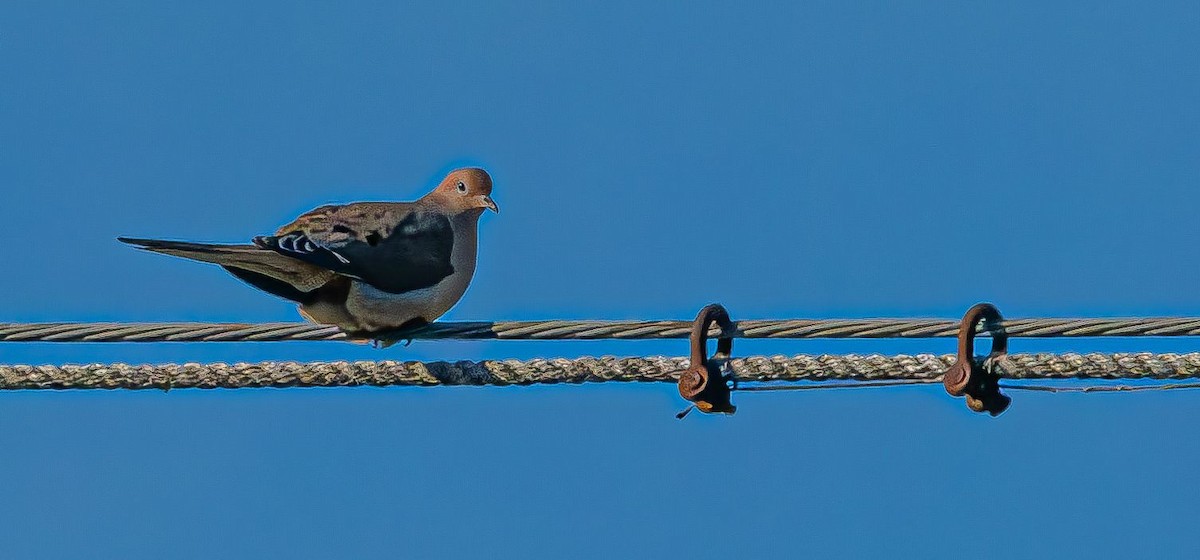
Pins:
x: 391, y: 337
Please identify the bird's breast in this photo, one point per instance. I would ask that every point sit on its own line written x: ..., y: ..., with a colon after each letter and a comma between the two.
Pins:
x: 375, y: 309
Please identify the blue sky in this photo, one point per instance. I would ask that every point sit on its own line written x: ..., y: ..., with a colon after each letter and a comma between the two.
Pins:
x: 816, y: 159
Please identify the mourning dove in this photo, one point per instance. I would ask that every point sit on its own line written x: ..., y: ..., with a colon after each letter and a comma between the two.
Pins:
x: 368, y: 266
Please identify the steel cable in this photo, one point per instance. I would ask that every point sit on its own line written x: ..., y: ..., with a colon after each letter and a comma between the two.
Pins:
x: 589, y: 330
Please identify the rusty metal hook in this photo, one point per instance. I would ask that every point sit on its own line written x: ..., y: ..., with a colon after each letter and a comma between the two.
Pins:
x: 705, y: 382
x: 978, y: 383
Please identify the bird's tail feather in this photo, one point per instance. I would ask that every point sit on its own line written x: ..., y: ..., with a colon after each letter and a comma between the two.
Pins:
x: 207, y: 252
x: 303, y: 276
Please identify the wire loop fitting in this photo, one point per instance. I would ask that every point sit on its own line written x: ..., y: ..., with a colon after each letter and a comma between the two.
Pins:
x: 978, y: 382
x: 707, y: 383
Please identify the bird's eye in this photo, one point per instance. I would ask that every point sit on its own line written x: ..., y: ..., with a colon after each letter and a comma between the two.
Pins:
x: 462, y: 187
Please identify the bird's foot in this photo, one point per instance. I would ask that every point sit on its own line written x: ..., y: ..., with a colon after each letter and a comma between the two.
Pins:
x: 382, y: 343
x: 390, y: 338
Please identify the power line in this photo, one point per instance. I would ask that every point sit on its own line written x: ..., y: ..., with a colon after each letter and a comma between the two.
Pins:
x: 591, y: 330
x: 803, y: 368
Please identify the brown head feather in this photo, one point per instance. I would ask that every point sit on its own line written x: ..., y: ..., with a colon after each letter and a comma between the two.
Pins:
x: 464, y: 190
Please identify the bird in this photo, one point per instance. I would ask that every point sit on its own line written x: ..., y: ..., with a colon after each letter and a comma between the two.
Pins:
x: 366, y: 267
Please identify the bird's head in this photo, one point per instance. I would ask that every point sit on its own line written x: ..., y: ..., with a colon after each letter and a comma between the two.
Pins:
x: 465, y: 190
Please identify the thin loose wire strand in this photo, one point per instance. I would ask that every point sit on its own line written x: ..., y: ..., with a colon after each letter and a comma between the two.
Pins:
x: 1007, y: 386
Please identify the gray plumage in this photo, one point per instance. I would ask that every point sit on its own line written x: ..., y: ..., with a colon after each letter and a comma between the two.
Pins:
x: 367, y: 266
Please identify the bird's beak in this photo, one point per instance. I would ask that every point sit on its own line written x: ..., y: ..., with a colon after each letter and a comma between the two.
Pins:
x: 486, y: 201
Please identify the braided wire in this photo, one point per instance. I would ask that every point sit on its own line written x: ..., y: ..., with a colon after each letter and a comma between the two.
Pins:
x: 818, y: 368
x: 588, y: 330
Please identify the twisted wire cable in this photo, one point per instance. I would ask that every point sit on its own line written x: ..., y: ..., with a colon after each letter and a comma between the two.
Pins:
x: 591, y: 330
x: 808, y: 368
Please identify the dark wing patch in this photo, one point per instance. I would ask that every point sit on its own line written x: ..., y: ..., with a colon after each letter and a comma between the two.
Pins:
x: 272, y: 285
x: 414, y: 255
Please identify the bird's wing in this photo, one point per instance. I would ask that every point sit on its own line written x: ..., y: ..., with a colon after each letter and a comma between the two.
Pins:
x: 395, y: 247
x: 253, y: 264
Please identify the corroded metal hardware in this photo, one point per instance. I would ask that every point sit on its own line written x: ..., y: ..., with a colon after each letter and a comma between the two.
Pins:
x: 706, y: 382
x: 977, y: 381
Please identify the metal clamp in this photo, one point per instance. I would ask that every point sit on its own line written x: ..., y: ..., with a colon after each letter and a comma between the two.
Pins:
x: 979, y: 382
x: 707, y: 382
